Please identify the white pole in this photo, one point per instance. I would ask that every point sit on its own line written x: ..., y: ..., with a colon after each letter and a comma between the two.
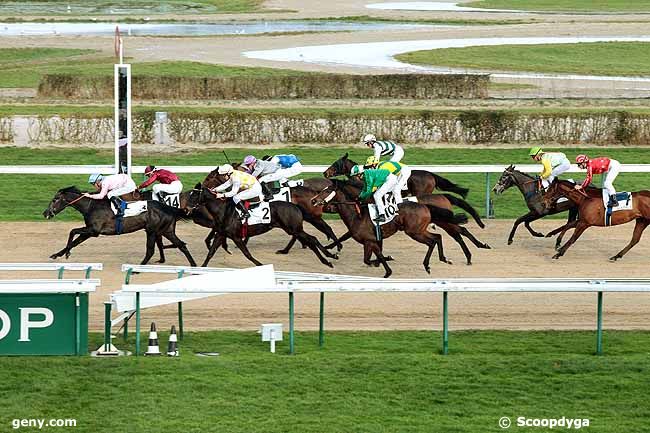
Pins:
x: 272, y: 341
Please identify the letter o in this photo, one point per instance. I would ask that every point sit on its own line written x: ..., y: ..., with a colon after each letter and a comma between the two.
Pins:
x: 6, y: 324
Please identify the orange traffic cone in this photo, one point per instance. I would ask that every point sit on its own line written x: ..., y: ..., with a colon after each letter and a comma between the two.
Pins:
x: 153, y: 349
x: 172, y: 347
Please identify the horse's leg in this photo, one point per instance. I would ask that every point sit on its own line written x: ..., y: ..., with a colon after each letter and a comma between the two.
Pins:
x: 465, y: 232
x: 159, y: 243
x: 181, y: 246
x: 151, y: 244
x: 286, y: 249
x: 323, y: 227
x: 573, y: 219
x: 531, y: 231
x: 342, y: 239
x: 431, y: 240
x: 454, y: 232
x: 580, y: 228
x: 519, y: 221
x: 84, y: 234
x: 241, y: 244
x: 641, y: 224
x: 216, y: 243
x: 313, y: 244
x: 374, y: 247
x: 561, y: 230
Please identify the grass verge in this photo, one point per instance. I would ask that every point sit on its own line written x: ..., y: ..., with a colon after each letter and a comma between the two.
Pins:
x: 566, y: 5
x: 24, y: 197
x: 359, y: 382
x: 597, y: 58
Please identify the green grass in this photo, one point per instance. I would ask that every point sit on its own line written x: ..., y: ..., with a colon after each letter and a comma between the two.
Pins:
x: 566, y: 5
x: 359, y: 382
x: 450, y: 21
x: 597, y: 58
x: 29, y: 195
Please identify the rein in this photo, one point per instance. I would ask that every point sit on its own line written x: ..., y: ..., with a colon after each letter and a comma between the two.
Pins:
x: 70, y: 203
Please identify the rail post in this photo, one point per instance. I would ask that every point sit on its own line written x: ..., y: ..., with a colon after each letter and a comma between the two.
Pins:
x: 445, y: 324
x: 599, y: 325
x: 88, y: 269
x: 487, y: 194
x: 107, y: 326
x: 291, y: 336
x: 321, y: 324
x: 60, y: 275
x: 137, y: 323
x: 180, y: 310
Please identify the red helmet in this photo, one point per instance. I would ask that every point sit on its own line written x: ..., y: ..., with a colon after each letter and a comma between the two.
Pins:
x: 580, y: 159
x: 149, y: 169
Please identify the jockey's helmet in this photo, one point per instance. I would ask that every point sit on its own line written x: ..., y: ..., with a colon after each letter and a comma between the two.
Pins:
x: 582, y: 159
x: 95, y: 177
x: 250, y: 159
x: 372, y: 160
x: 149, y: 169
x: 369, y: 139
x: 225, y: 169
x: 356, y: 170
x: 534, y: 151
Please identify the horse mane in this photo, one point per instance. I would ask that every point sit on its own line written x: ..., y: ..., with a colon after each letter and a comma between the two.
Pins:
x: 522, y: 173
x: 72, y: 188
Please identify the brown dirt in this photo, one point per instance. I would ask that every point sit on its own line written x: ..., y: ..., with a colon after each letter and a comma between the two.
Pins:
x: 527, y: 257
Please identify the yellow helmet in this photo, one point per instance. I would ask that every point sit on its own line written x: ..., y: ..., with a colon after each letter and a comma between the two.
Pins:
x: 372, y: 160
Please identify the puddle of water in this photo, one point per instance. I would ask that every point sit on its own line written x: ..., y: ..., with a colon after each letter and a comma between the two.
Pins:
x: 101, y: 8
x: 433, y: 6
x: 381, y: 54
x: 232, y: 28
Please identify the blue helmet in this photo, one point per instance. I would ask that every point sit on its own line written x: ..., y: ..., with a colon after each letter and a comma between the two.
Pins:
x: 95, y: 177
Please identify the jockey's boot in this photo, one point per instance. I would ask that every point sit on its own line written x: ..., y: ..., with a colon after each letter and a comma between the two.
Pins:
x: 243, y: 209
x: 117, y: 202
x: 612, y: 201
x: 268, y: 194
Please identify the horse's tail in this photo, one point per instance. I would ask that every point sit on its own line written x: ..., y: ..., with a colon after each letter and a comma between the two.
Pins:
x: 446, y: 216
x: 447, y: 185
x: 466, y: 207
x: 177, y: 213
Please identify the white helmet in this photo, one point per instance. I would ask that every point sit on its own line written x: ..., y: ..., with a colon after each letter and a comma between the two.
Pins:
x: 369, y: 138
x: 225, y: 169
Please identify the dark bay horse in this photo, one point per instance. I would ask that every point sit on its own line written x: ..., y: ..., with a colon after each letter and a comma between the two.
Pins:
x: 421, y: 181
x: 592, y: 213
x: 158, y: 221
x: 300, y: 196
x: 227, y: 224
x: 413, y: 219
x: 533, y: 195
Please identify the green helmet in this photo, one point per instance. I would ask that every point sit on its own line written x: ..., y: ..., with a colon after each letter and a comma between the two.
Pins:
x: 534, y: 151
x: 357, y: 169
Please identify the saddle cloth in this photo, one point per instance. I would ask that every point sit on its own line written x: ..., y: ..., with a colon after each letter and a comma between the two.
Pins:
x: 133, y: 208
x: 391, y: 209
x: 297, y: 182
x: 259, y: 214
x: 283, y: 195
x: 172, y: 200
x: 624, y: 203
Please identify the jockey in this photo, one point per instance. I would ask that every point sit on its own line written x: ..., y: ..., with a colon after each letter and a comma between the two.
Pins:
x: 260, y: 169
x: 242, y: 186
x: 111, y: 187
x: 403, y: 172
x: 384, y: 148
x: 289, y: 166
x: 555, y: 163
x: 598, y: 166
x: 168, y: 182
x: 380, y: 179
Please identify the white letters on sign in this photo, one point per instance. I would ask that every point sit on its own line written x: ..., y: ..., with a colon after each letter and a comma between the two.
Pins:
x: 26, y: 324
x: 6, y: 324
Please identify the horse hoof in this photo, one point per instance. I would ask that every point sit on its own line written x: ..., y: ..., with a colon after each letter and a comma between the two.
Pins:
x: 161, y: 261
x: 538, y: 235
x: 486, y: 247
x: 282, y: 252
x: 449, y: 262
x: 428, y: 269
x: 548, y: 235
x: 389, y: 259
x: 469, y: 263
x: 67, y: 255
x: 329, y: 264
x: 557, y: 256
x: 613, y: 259
x: 54, y: 256
x: 335, y: 256
x: 509, y: 241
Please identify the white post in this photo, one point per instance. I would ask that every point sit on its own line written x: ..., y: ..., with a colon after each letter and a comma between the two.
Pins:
x: 272, y: 341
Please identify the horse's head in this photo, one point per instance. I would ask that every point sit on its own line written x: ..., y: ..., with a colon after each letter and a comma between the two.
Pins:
x: 325, y: 196
x: 214, y: 179
x: 506, y: 180
x: 195, y: 197
x: 61, y: 200
x: 340, y: 167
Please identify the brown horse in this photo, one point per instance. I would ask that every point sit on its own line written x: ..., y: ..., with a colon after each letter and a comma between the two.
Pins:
x: 421, y: 181
x: 592, y: 213
x: 413, y: 219
x: 300, y: 196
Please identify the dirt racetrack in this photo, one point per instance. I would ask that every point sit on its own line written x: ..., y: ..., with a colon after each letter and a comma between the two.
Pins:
x: 527, y: 257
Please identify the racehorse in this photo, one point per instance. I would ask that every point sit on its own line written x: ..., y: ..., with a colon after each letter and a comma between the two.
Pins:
x: 158, y: 221
x: 300, y: 196
x: 421, y: 181
x: 413, y: 219
x: 592, y: 213
x: 227, y: 224
x: 530, y: 189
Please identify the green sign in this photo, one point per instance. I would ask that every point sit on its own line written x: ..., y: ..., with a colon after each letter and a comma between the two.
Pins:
x: 43, y: 324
